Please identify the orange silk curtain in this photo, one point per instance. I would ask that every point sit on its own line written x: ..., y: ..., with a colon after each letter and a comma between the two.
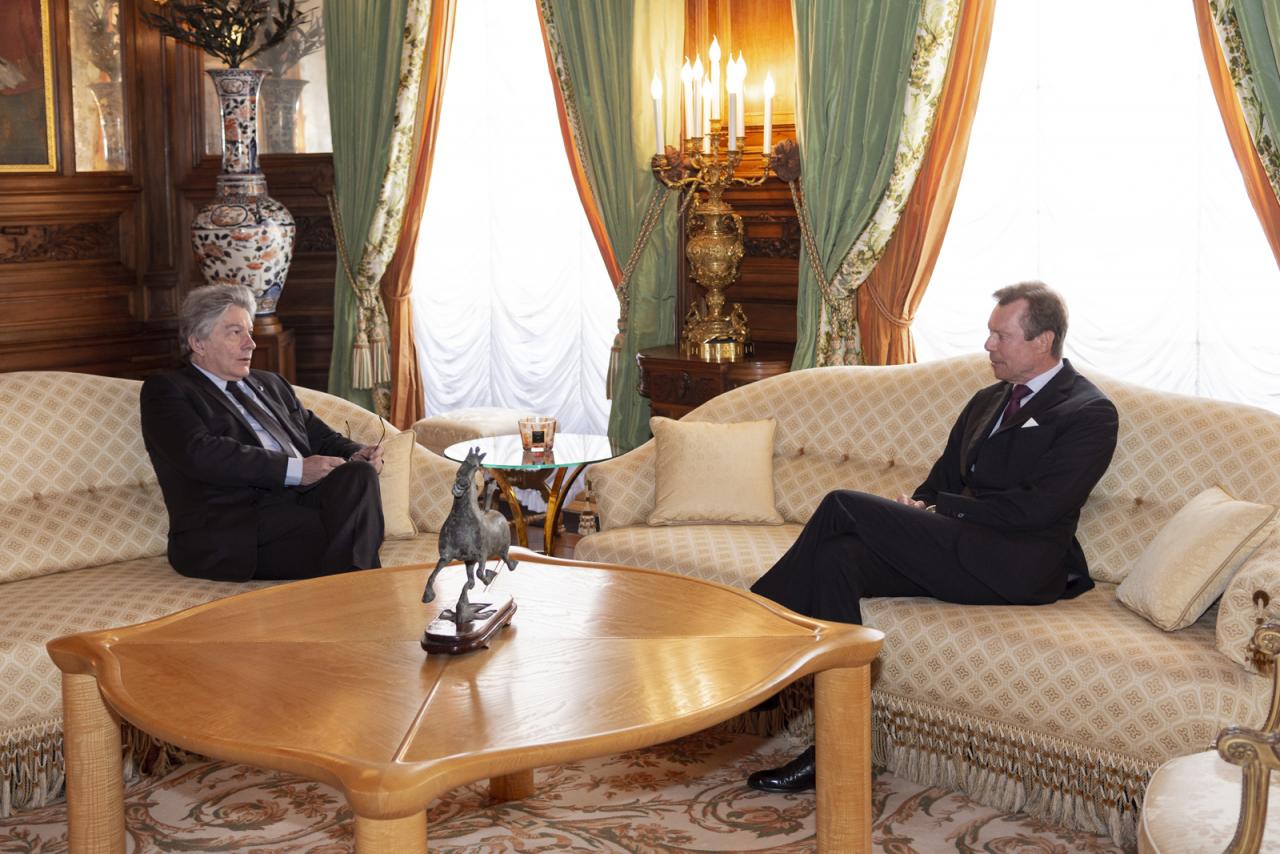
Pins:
x: 1261, y: 195
x: 397, y: 283
x: 888, y: 299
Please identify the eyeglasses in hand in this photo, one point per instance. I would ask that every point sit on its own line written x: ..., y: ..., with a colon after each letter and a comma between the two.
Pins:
x: 378, y: 444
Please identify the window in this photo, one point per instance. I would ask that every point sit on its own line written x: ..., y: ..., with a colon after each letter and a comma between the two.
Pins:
x: 512, y: 303
x: 1099, y: 163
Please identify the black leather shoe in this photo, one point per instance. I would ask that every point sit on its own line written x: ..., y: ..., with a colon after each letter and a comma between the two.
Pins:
x: 796, y: 776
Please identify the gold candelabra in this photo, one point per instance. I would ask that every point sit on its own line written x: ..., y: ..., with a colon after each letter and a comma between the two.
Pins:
x: 714, y: 240
x: 703, y: 168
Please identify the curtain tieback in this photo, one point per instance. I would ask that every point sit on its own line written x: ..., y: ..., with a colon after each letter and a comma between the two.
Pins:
x: 657, y: 201
x: 810, y: 245
x: 370, y: 351
x: 878, y: 302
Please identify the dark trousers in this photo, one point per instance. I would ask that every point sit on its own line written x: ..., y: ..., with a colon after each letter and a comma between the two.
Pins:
x: 857, y: 545
x: 331, y: 526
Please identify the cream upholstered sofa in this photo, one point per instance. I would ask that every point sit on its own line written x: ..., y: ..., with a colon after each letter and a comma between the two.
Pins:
x: 1061, y: 710
x: 82, y: 546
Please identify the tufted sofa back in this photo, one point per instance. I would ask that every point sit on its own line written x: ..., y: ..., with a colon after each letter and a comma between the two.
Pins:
x: 76, y: 485
x: 879, y: 429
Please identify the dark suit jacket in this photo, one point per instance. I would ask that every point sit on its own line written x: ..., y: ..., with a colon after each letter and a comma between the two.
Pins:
x: 214, y: 472
x: 1020, y: 490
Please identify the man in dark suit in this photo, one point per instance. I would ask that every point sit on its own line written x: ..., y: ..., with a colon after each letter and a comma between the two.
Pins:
x: 994, y: 523
x: 256, y: 485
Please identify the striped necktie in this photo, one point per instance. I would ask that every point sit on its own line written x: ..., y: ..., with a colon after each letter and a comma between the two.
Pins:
x: 264, y: 418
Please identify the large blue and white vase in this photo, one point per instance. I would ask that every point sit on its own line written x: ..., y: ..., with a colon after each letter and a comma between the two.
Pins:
x: 243, y: 237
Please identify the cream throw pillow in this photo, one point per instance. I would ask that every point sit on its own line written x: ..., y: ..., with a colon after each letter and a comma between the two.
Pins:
x: 708, y: 472
x: 393, y: 483
x: 1191, y: 561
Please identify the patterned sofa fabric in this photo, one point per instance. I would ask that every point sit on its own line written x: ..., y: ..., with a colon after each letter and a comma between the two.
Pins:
x: 1063, y: 710
x: 82, y: 537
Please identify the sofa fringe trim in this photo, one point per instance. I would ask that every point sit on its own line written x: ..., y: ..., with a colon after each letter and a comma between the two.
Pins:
x: 33, y: 772
x: 1009, y: 768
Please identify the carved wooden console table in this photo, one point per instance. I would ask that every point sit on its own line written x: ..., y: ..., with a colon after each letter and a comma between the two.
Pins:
x: 676, y: 384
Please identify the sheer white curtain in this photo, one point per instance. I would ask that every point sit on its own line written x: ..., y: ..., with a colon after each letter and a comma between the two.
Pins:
x: 1099, y: 163
x: 512, y: 305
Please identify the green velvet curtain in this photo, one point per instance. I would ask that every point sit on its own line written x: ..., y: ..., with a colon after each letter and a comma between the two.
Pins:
x: 363, y: 42
x: 1260, y: 31
x: 853, y: 60
x: 606, y: 52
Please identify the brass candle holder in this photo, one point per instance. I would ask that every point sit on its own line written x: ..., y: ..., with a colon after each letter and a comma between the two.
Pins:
x: 714, y: 240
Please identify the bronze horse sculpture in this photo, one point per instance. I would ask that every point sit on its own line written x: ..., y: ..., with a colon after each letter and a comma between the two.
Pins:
x: 471, y: 535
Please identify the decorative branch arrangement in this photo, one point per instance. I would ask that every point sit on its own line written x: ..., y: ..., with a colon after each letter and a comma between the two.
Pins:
x: 298, y: 43
x: 227, y: 29
x: 102, y: 34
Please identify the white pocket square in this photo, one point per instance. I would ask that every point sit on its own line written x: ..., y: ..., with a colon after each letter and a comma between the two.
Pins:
x: 1030, y: 422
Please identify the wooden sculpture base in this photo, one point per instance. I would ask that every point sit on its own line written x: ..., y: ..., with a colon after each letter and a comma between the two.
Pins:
x: 443, y: 636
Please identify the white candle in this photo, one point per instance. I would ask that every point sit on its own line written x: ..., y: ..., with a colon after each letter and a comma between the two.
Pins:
x: 714, y: 55
x: 742, y: 91
x: 706, y: 115
x: 655, y: 89
x: 768, y: 112
x: 686, y: 79
x: 733, y: 120
x: 698, y: 129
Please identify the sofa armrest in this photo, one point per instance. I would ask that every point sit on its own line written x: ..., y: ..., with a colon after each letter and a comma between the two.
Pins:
x: 624, y: 488
x: 1252, y: 597
x: 1255, y: 750
x: 431, y: 480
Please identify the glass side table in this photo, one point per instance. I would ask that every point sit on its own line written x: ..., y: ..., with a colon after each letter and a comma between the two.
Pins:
x: 513, y: 466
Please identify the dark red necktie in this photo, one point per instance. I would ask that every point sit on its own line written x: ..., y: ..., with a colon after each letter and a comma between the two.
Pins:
x: 1015, y: 403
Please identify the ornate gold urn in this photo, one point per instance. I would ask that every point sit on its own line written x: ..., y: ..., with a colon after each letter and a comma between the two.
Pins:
x: 713, y: 242
x: 714, y: 248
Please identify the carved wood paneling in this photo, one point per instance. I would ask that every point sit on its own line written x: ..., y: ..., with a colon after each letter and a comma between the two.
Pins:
x: 75, y: 241
x: 94, y: 265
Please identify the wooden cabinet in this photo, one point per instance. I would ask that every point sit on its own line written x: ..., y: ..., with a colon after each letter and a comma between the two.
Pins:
x: 275, y: 352
x: 676, y: 384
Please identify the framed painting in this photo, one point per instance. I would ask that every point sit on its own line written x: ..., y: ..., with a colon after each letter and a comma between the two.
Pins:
x: 27, y: 117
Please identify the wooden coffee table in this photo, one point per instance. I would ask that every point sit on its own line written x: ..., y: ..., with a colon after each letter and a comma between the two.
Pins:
x: 325, y: 678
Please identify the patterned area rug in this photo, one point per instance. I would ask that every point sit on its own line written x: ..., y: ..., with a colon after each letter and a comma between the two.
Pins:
x: 677, y: 798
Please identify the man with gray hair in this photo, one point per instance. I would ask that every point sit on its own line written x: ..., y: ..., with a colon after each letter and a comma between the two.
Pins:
x: 994, y: 523
x: 256, y: 486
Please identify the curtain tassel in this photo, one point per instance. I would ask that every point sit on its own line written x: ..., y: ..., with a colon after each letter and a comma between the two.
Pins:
x: 380, y: 354
x: 361, y: 366
x: 615, y: 364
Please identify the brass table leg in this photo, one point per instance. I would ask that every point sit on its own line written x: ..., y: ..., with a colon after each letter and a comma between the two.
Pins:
x: 95, y: 778
x: 406, y: 835
x: 560, y: 487
x: 842, y: 712
x: 511, y: 787
x: 517, y: 514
